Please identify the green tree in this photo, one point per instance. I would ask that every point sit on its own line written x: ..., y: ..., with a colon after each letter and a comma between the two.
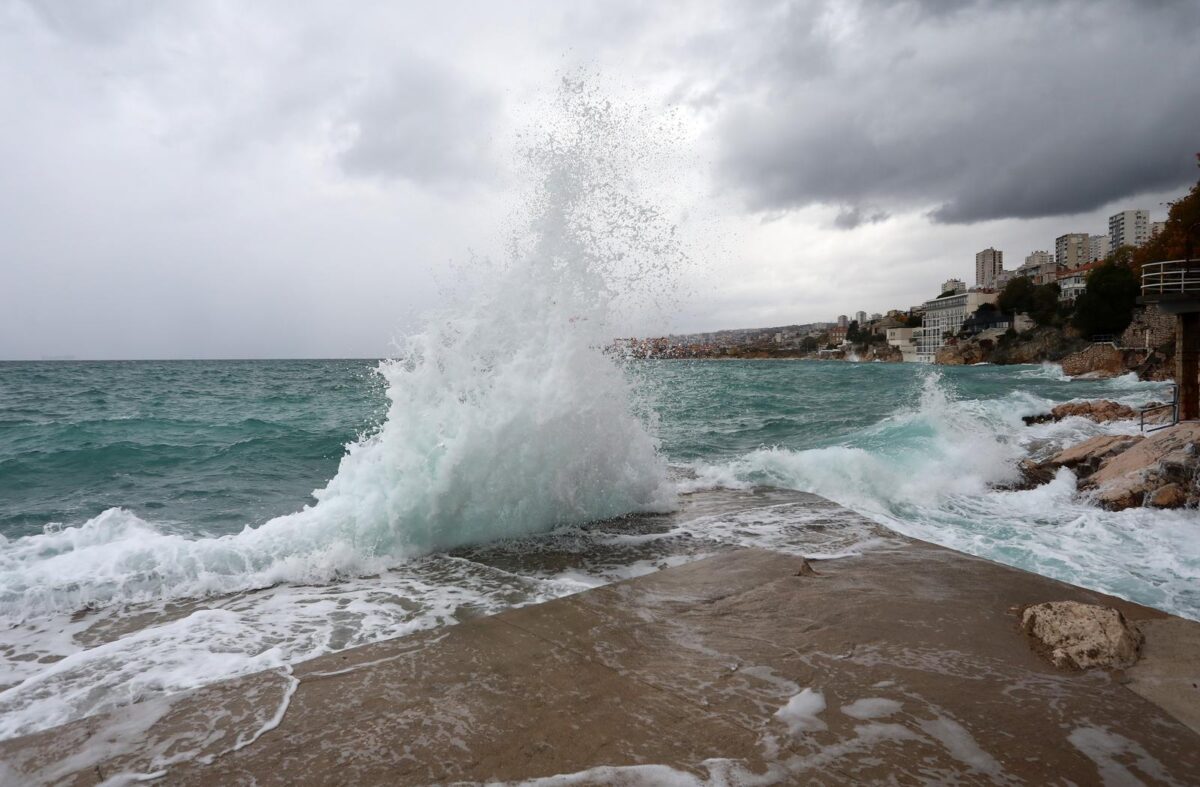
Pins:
x: 1171, y: 244
x: 1017, y: 296
x: 1022, y: 296
x: 1107, y: 304
x: 1044, y: 309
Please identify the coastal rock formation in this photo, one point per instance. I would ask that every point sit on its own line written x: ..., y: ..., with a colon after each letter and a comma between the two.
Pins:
x: 1044, y: 343
x: 965, y: 353
x: 1082, y: 636
x: 1087, y: 457
x: 1101, y: 411
x: 1144, y: 471
x: 886, y: 353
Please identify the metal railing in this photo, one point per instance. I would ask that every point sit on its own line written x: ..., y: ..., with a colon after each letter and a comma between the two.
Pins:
x: 1173, y: 404
x: 1175, y: 276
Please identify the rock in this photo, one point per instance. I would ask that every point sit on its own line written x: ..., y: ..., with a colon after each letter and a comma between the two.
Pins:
x: 1088, y: 456
x: 1164, y: 458
x: 1044, y: 343
x: 1169, y: 496
x: 1082, y: 636
x: 1101, y: 411
x: 1034, y: 474
x: 965, y: 353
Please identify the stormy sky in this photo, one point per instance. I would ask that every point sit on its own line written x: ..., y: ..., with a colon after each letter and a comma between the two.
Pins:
x: 294, y: 179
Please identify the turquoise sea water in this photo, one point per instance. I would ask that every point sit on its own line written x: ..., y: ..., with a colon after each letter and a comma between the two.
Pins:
x: 214, y: 518
x: 206, y: 447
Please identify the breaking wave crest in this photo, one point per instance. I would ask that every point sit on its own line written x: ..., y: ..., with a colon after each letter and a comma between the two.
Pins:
x: 505, y: 416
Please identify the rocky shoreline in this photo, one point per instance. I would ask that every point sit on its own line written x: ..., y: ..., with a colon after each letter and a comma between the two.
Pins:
x: 1160, y: 469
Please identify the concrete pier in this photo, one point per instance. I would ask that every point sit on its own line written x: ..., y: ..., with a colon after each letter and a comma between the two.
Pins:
x: 903, y: 665
x: 1175, y: 287
x: 1187, y: 364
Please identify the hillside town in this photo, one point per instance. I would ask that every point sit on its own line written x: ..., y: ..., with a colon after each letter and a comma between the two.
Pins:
x: 1044, y: 291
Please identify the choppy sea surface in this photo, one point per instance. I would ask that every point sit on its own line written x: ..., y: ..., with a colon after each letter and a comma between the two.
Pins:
x: 159, y: 527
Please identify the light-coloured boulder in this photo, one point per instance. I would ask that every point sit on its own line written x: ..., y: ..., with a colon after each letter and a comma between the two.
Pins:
x: 1082, y: 636
x: 1088, y: 456
x: 1166, y: 457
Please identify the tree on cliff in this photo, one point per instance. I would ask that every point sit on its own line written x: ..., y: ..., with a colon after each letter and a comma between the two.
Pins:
x: 1039, y: 301
x: 1170, y: 244
x: 1107, y: 304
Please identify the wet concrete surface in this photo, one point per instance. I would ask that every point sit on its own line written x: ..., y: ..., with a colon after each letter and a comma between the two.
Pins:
x: 913, y: 652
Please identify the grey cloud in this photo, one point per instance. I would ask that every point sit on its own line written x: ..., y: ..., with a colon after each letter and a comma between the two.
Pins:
x: 995, y: 112
x: 97, y: 22
x: 424, y: 124
x: 853, y: 216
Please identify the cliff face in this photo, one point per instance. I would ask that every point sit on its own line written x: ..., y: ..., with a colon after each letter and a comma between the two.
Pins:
x: 965, y: 353
x: 1044, y: 343
x: 1040, y: 344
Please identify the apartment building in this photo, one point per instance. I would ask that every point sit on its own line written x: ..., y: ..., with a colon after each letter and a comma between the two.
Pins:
x: 1128, y: 228
x: 944, y: 316
x: 1072, y: 250
x: 988, y: 264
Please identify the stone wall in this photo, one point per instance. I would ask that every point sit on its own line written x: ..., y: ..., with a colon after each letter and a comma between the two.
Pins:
x: 1149, y: 318
x: 1104, y: 359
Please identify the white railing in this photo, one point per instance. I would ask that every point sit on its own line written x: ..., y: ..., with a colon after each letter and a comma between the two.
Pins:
x: 1176, y: 276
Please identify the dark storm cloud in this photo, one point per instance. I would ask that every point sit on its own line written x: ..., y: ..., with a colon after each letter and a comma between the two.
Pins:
x: 976, y: 110
x: 423, y: 123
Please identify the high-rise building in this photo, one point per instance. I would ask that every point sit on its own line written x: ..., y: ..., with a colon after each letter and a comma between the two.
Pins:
x: 1128, y: 228
x: 1157, y: 227
x: 860, y: 318
x: 1098, y: 247
x: 954, y: 285
x: 1072, y: 250
x: 843, y: 321
x: 988, y: 264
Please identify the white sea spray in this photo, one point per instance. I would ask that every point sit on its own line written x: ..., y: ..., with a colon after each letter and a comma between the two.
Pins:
x: 506, y: 418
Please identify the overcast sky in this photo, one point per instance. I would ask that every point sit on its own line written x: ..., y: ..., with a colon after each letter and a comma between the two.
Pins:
x: 291, y: 179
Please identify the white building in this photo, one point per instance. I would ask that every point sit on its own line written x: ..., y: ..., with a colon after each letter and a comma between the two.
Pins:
x: 1128, y: 228
x: 843, y: 321
x: 954, y: 285
x: 944, y: 316
x: 903, y: 340
x: 1073, y: 283
x: 1156, y: 227
x: 1072, y: 250
x: 861, y: 319
x: 988, y: 264
x: 1098, y: 247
